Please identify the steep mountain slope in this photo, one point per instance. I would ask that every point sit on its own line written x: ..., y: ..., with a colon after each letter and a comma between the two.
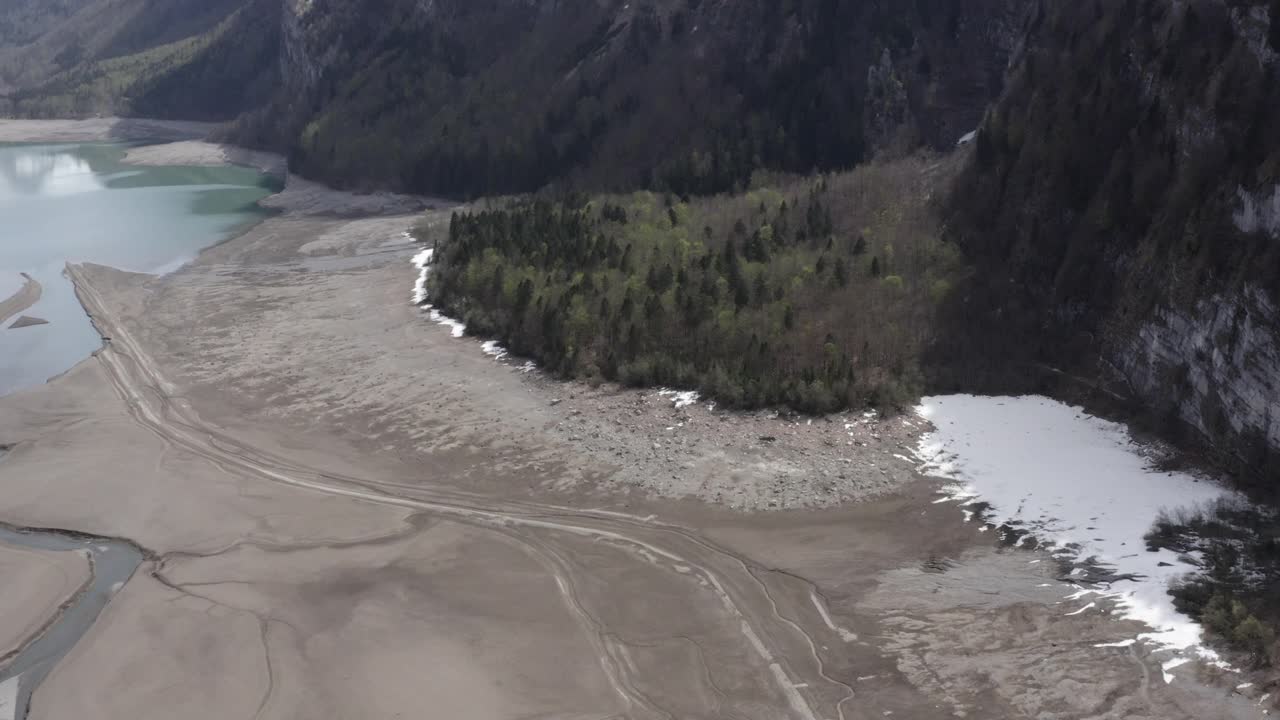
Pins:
x: 22, y: 21
x: 1124, y: 201
x: 1122, y: 198
x: 193, y: 59
x: 464, y: 98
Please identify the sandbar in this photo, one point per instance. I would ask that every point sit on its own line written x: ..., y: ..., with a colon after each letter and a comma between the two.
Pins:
x: 27, y: 321
x: 202, y: 153
x: 25, y: 297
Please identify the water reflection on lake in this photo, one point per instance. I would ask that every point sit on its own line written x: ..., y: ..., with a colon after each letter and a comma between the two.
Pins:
x: 48, y: 173
x: 81, y: 203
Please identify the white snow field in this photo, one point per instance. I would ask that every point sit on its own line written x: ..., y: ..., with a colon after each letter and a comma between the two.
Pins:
x: 422, y: 261
x: 1070, y: 478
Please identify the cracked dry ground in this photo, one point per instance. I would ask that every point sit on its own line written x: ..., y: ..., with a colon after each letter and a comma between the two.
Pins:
x: 351, y: 514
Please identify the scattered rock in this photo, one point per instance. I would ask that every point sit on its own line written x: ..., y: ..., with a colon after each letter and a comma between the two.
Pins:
x: 748, y: 460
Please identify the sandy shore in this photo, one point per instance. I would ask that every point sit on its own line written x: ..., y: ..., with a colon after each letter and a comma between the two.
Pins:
x: 35, y: 586
x: 26, y: 296
x: 352, y: 514
x: 199, y: 152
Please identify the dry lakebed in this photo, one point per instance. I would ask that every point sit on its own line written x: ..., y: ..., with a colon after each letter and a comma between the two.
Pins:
x: 340, y: 510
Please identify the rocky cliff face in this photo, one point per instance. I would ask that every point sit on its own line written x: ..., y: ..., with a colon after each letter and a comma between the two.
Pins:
x: 1122, y: 203
x: 300, y: 65
x: 1216, y: 365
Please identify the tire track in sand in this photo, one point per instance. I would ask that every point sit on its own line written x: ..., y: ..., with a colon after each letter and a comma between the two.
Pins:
x: 780, y: 643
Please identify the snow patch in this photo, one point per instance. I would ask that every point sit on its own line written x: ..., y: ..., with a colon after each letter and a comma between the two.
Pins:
x: 492, y: 348
x: 422, y: 261
x: 1086, y: 607
x: 1075, y: 481
x: 1259, y: 211
x: 457, y: 328
x: 680, y: 398
x: 1121, y: 644
x: 1170, y: 665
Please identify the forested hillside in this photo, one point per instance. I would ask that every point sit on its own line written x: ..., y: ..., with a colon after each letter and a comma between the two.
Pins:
x: 815, y: 294
x: 463, y: 98
x: 205, y: 60
x: 466, y: 98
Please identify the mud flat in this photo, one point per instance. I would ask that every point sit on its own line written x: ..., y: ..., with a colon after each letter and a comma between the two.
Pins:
x: 25, y: 297
x: 351, y: 513
x: 36, y: 585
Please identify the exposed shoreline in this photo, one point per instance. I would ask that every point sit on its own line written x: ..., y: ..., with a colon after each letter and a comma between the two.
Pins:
x: 337, y: 493
x: 202, y: 153
x: 28, y: 295
x: 101, y: 130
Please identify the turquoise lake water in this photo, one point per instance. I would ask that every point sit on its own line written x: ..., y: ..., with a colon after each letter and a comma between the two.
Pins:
x: 81, y: 203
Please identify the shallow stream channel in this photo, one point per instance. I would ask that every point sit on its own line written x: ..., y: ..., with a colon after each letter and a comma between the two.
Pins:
x: 112, y: 563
